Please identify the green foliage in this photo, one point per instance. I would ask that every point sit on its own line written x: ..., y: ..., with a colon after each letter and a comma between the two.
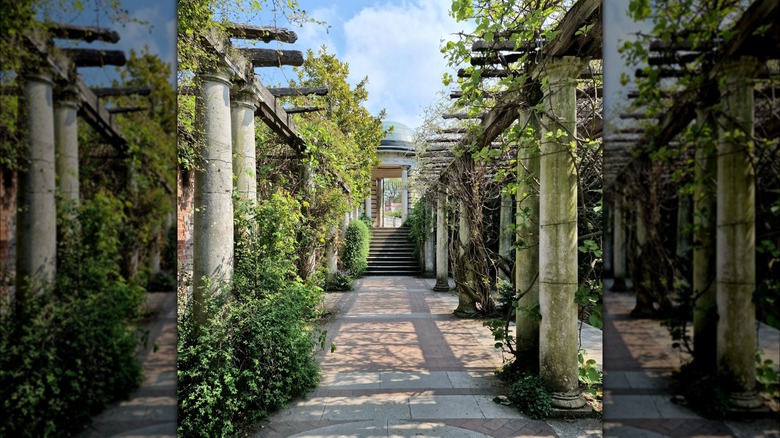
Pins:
x: 420, y: 223
x: 531, y: 397
x: 703, y: 393
x: 255, y: 352
x: 356, y: 246
x: 71, y: 350
x: 340, y: 281
x: 766, y: 374
x: 588, y: 374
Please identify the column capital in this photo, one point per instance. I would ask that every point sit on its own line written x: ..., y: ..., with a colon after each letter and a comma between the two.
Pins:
x: 244, y: 94
x: 560, y: 71
x: 38, y: 75
x: 221, y: 73
x: 68, y: 95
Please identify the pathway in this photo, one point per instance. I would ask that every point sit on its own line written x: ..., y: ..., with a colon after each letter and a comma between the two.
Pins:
x: 150, y: 411
x: 405, y: 366
x: 638, y: 384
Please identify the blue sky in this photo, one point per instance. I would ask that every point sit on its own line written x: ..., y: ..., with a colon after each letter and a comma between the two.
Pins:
x: 159, y: 34
x: 393, y: 42
x: 618, y: 28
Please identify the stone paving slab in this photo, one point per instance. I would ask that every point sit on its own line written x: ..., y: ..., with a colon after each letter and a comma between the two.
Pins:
x: 151, y: 410
x: 405, y: 366
x: 638, y: 383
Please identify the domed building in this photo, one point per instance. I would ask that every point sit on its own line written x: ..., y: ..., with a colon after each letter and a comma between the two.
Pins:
x: 397, y: 158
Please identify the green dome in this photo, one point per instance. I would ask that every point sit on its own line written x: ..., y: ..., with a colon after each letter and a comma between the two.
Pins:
x: 401, y: 139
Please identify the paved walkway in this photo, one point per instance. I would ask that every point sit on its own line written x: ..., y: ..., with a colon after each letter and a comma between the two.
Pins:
x: 638, y: 380
x: 151, y: 409
x: 404, y: 366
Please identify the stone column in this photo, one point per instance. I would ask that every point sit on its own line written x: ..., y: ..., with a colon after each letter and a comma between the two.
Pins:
x: 368, y: 205
x: 429, y: 268
x: 380, y: 193
x: 619, y: 244
x: 558, y: 235
x: 242, y: 117
x: 66, y: 141
x: 705, y: 311
x: 466, y: 304
x: 527, y: 251
x: 330, y: 252
x: 212, y: 252
x: 404, y: 193
x: 735, y: 260
x: 442, y: 242
x: 505, y: 237
x: 36, y: 241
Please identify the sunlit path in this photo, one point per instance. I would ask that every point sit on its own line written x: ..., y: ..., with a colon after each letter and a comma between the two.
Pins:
x: 405, y: 366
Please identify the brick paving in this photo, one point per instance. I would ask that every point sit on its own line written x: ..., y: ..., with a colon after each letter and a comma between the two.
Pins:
x: 405, y: 366
x: 150, y: 411
x: 638, y: 384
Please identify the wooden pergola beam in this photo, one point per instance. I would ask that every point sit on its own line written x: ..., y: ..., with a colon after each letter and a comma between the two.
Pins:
x: 460, y: 116
x: 124, y: 110
x: 112, y: 91
x: 272, y: 57
x: 95, y: 57
x: 567, y: 41
x: 84, y: 33
x: 263, y: 33
x: 303, y: 109
x: 306, y: 91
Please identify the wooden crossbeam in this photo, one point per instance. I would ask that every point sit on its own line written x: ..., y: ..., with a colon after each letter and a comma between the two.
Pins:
x: 569, y: 40
x: 500, y: 58
x: 95, y: 57
x: 273, y: 58
x: 484, y: 46
x: 453, y: 131
x: 263, y: 33
x: 98, y: 116
x: 124, y: 110
x: 105, y: 92
x: 84, y: 33
x: 306, y: 91
x: 444, y: 140
x: 303, y: 109
x: 460, y: 116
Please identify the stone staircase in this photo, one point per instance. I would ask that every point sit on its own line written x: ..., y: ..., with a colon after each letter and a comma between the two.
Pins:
x: 391, y: 253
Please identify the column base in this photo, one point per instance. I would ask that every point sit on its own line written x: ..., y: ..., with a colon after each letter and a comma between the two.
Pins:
x: 619, y: 285
x: 567, y: 400
x: 745, y: 400
x: 442, y: 286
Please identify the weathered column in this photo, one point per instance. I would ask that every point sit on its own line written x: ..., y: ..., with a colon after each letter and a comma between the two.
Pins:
x: 505, y: 237
x: 330, y: 252
x: 356, y: 213
x: 212, y: 252
x: 705, y: 311
x: 380, y: 192
x: 242, y: 117
x: 527, y: 251
x: 404, y: 192
x: 619, y: 244
x: 558, y: 235
x: 66, y: 141
x: 442, y: 244
x: 466, y: 304
x: 429, y: 268
x: 735, y: 260
x: 368, y: 206
x: 36, y: 241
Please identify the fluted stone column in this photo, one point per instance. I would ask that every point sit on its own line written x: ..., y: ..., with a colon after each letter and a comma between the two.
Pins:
x: 380, y: 192
x: 36, y: 244
x: 242, y: 117
x: 429, y: 268
x: 404, y: 193
x: 558, y: 236
x: 619, y: 245
x: 368, y: 207
x: 442, y: 242
x: 735, y: 260
x: 705, y: 312
x: 66, y: 140
x: 527, y: 251
x: 212, y: 258
x: 330, y: 252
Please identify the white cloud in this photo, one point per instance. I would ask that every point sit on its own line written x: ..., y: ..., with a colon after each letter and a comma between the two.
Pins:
x: 162, y: 38
x: 397, y: 47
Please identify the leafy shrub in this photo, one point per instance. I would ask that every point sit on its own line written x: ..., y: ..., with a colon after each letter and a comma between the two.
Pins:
x: 340, y: 281
x: 255, y: 352
x: 420, y: 221
x: 70, y: 351
x: 531, y: 397
x: 366, y: 220
x: 356, y: 246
